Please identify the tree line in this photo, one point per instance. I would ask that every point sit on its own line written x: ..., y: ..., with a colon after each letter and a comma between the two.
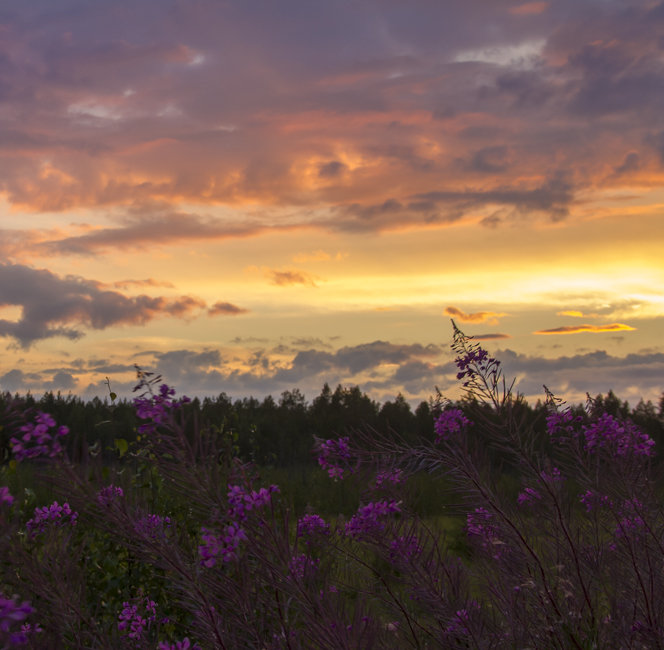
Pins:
x: 278, y: 432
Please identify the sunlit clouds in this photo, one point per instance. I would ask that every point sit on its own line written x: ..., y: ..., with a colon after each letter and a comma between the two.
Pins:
x: 197, y: 186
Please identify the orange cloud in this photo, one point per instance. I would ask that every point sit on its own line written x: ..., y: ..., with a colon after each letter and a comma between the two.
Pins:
x: 529, y: 8
x: 576, y: 314
x: 476, y: 317
x: 284, y: 278
x: 575, y: 329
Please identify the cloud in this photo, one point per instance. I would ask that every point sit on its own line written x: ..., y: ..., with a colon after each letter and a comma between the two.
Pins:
x: 55, y: 306
x: 225, y: 309
x: 575, y: 329
x: 148, y: 282
x: 529, y: 8
x: 490, y: 337
x: 288, y: 277
x: 476, y: 317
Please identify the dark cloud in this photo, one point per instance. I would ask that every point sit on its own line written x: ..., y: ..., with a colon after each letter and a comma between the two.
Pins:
x: 292, y: 276
x: 332, y: 169
x: 225, y: 309
x: 55, y: 306
x: 490, y: 159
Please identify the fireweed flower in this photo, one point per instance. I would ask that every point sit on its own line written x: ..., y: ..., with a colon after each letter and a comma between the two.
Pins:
x: 55, y: 515
x: 301, y: 565
x: 620, y: 437
x: 157, y: 408
x: 5, y: 497
x: 450, y: 423
x: 311, y: 527
x: 593, y: 500
x: 334, y: 456
x: 369, y: 519
x: 528, y: 497
x: 404, y: 548
x: 393, y: 476
x: 223, y: 547
x: 185, y: 644
x: 108, y: 495
x: 152, y: 526
x: 630, y: 521
x: 39, y: 438
x: 12, y: 613
x: 562, y: 424
x: 241, y: 501
x: 480, y: 524
x: 133, y: 622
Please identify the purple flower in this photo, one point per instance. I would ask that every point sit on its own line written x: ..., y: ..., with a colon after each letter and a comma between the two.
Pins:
x: 5, y: 497
x: 133, y: 622
x: 334, y: 456
x: 630, y: 520
x: 480, y: 524
x: 12, y: 613
x: 54, y: 515
x: 404, y: 548
x: 37, y: 439
x: 562, y: 424
x: 108, y: 495
x: 152, y: 526
x: 592, y: 500
x: 450, y: 422
x: 368, y: 519
x: 619, y: 437
x: 185, y: 644
x: 157, y: 408
x: 312, y: 526
x: 394, y: 476
x: 241, y: 501
x: 220, y: 546
x: 528, y: 496
x: 302, y: 564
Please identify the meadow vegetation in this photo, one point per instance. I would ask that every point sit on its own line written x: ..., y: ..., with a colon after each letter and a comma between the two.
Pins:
x: 173, y: 523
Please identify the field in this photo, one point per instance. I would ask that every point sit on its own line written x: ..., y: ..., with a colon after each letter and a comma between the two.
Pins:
x: 489, y: 533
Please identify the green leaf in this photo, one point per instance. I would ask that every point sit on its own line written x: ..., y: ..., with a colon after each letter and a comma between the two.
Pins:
x: 122, y: 446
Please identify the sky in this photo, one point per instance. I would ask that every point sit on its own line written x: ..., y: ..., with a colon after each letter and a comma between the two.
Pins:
x: 249, y: 196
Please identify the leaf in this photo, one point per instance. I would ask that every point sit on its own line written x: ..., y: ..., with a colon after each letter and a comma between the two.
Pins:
x: 121, y: 445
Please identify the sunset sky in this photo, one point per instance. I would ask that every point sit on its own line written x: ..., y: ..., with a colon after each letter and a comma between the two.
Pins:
x: 252, y: 196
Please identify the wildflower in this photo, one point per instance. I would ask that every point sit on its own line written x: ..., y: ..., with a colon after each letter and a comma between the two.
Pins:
x: 241, y: 501
x: 38, y: 439
x: 334, y: 456
x: 592, y: 500
x: 225, y: 545
x: 368, y: 519
x: 5, y: 497
x: 10, y: 614
x: 133, y: 622
x: 152, y: 526
x: 620, y: 438
x: 157, y: 408
x: 450, y: 422
x: 108, y: 495
x: 394, y: 476
x: 53, y: 515
x: 404, y: 548
x: 562, y: 424
x: 480, y: 524
x: 185, y: 644
x: 528, y: 496
x: 300, y: 565
x: 311, y: 526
